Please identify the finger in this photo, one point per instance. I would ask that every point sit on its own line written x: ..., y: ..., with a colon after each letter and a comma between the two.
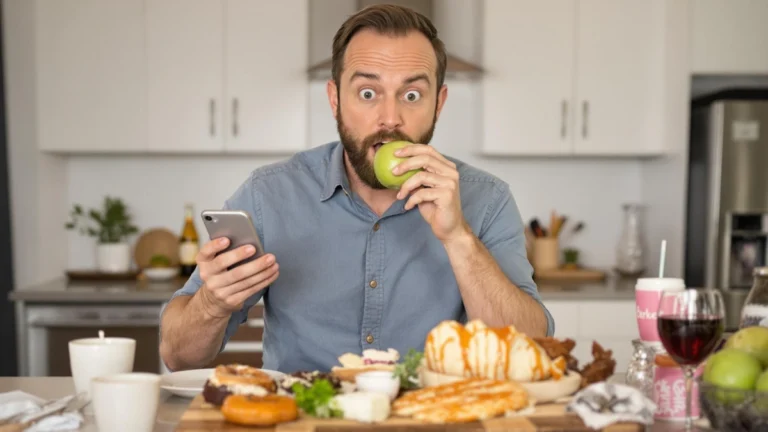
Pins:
x: 229, y: 258
x: 425, y: 179
x: 247, y: 270
x: 422, y: 149
x: 251, y: 281
x: 210, y: 249
x: 242, y: 296
x: 426, y: 162
x: 436, y: 195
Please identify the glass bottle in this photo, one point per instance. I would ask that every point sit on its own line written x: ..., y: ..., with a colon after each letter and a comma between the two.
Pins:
x: 755, y: 310
x: 641, y: 367
x: 188, y: 244
x: 630, y: 252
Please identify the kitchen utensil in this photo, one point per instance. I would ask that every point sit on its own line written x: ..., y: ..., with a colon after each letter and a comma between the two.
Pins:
x: 24, y: 420
x: 546, y: 254
x: 537, y: 229
x: 157, y: 241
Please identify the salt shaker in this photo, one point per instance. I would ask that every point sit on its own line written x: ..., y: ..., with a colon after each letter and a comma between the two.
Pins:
x: 641, y: 368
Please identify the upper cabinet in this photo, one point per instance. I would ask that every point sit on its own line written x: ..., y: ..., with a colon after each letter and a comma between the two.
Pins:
x: 173, y: 76
x: 91, y: 75
x: 591, y: 81
x: 729, y: 37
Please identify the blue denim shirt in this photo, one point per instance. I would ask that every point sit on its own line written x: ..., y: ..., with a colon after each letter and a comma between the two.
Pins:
x: 350, y: 280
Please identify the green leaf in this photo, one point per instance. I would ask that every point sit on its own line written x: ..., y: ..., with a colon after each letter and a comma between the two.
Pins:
x: 408, y: 369
x: 316, y: 400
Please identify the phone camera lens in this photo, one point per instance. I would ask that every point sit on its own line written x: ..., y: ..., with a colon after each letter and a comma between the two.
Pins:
x: 208, y: 218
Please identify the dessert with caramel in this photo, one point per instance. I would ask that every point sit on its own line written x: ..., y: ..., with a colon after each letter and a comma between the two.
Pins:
x: 479, y: 351
x: 462, y: 401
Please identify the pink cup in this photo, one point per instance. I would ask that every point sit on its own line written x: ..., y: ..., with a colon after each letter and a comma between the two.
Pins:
x: 669, y: 393
x: 647, y: 295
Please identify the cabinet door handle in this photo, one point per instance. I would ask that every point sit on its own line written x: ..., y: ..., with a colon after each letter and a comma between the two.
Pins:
x: 564, y: 119
x: 212, y: 111
x: 235, y: 127
x: 584, y: 118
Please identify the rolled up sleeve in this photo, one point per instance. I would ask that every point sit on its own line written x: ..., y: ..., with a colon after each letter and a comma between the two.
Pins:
x: 503, y: 235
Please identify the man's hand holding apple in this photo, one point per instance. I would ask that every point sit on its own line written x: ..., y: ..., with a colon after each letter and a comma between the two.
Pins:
x: 434, y: 189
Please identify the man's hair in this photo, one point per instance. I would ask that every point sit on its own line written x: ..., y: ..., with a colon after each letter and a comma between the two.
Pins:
x: 391, y: 20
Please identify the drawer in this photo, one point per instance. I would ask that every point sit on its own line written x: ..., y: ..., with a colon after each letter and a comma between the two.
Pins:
x: 247, y: 333
x: 611, y: 319
x: 566, y: 316
x: 257, y: 311
x: 249, y: 358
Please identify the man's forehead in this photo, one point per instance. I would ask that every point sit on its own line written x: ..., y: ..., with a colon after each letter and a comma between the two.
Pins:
x: 407, y: 53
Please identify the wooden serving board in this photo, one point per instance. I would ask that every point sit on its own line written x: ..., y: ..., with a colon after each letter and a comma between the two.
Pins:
x: 201, y: 416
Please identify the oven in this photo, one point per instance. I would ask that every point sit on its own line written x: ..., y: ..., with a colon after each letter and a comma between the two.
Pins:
x: 44, y: 349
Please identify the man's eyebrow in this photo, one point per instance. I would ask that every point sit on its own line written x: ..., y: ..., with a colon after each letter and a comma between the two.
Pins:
x: 368, y: 75
x: 419, y: 77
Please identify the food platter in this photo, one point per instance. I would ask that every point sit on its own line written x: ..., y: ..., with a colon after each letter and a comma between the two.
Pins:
x: 469, y: 375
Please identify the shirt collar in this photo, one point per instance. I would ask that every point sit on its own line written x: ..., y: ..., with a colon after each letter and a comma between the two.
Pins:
x: 337, y: 175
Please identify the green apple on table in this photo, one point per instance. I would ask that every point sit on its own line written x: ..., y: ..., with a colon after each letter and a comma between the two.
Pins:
x: 385, y: 160
x: 740, y: 365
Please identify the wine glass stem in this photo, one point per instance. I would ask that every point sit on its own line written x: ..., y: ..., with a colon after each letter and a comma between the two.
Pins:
x: 688, y: 371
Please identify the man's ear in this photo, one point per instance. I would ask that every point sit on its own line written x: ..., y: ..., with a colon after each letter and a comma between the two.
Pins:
x: 333, y: 96
x: 442, y: 95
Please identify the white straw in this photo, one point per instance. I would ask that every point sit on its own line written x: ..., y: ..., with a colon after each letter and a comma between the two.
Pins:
x: 662, y: 258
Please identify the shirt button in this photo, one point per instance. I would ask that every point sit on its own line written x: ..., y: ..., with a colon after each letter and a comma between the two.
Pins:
x: 376, y: 226
x: 373, y: 284
x: 369, y: 339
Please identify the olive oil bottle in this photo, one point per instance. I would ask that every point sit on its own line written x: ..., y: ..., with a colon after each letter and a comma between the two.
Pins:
x: 189, y: 243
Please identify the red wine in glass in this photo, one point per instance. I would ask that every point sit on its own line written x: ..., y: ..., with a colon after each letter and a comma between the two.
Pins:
x: 690, y: 324
x: 690, y: 340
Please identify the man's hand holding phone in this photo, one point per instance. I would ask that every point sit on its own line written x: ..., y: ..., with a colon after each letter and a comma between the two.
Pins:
x: 224, y: 291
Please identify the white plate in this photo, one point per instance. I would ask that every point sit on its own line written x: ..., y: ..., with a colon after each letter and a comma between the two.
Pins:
x: 190, y: 383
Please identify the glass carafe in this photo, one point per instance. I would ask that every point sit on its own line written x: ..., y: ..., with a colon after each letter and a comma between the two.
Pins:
x: 755, y: 310
x: 630, y: 252
x: 641, y: 367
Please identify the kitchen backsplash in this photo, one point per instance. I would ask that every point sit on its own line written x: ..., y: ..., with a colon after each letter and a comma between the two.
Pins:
x: 156, y: 187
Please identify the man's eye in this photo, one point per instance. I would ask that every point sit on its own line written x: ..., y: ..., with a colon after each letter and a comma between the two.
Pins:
x: 412, y: 96
x: 367, y: 94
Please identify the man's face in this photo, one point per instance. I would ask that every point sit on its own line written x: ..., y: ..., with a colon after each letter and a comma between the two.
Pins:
x: 387, y: 92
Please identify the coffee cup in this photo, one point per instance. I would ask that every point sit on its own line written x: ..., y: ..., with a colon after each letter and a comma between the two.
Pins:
x: 647, y: 296
x: 93, y: 357
x: 126, y: 402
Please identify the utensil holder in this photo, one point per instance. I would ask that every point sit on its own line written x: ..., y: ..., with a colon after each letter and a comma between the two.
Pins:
x: 546, y: 254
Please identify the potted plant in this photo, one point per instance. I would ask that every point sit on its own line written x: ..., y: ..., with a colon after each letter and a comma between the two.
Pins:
x: 112, y: 228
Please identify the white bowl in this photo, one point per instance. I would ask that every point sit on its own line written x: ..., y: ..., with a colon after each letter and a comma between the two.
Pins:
x: 161, y: 273
x: 379, y: 382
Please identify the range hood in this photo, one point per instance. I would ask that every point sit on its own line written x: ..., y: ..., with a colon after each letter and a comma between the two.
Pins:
x: 456, y: 67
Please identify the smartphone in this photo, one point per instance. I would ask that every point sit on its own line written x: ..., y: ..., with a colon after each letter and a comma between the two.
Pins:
x: 237, y: 226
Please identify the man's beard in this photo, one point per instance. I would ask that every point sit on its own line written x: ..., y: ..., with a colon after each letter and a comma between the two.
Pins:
x: 357, y: 150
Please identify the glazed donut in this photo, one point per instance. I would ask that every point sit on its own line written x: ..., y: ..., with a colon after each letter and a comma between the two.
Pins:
x: 237, y: 379
x: 259, y: 410
x: 243, y: 375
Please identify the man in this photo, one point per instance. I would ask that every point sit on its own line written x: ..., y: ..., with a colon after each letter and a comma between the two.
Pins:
x: 352, y: 265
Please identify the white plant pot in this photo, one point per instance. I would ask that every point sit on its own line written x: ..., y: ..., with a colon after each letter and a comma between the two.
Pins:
x: 113, y: 257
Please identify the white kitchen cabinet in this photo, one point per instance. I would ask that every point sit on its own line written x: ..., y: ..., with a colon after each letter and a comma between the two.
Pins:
x: 590, y: 81
x: 266, y: 80
x: 185, y: 51
x: 618, y: 81
x: 610, y: 323
x: 528, y: 87
x: 90, y: 75
x: 729, y: 37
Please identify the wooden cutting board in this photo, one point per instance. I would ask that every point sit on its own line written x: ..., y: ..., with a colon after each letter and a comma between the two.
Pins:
x: 566, y: 275
x: 201, y: 416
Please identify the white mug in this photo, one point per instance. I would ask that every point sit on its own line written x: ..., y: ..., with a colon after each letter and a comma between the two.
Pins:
x: 93, y: 357
x: 126, y: 402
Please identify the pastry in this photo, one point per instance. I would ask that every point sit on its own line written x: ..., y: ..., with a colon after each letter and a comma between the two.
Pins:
x: 462, y: 401
x: 266, y: 410
x: 237, y: 379
x: 372, y: 359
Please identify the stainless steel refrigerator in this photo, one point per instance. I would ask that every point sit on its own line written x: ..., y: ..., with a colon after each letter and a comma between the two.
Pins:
x: 727, y: 209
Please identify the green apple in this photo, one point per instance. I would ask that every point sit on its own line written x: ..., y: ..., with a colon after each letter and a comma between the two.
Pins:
x: 731, y: 369
x: 753, y: 340
x: 385, y: 160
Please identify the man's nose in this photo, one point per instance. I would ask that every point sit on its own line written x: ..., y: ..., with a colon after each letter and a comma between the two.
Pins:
x: 389, y: 114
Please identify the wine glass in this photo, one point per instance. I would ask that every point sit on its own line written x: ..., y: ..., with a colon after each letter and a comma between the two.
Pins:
x: 690, y: 324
